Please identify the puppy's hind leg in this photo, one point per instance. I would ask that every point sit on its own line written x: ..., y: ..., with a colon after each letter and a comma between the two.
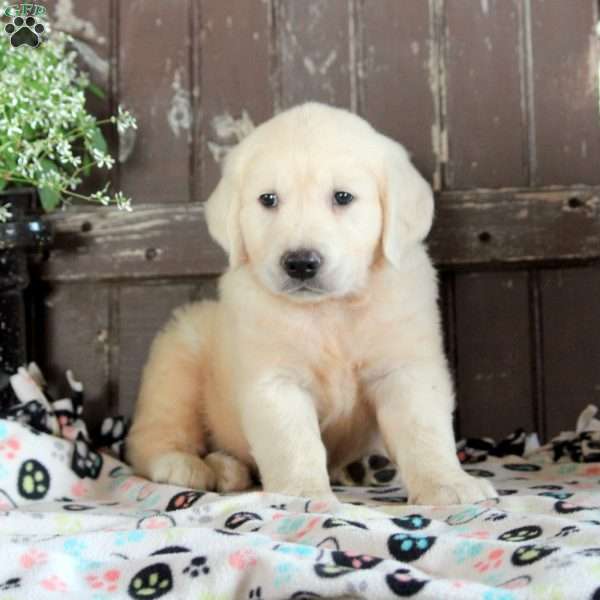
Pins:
x: 167, y: 435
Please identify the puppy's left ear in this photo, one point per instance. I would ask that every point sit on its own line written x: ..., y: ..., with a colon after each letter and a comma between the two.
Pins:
x: 407, y: 202
x: 222, y: 211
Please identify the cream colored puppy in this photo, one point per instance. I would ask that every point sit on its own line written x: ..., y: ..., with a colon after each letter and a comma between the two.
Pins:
x: 326, y: 330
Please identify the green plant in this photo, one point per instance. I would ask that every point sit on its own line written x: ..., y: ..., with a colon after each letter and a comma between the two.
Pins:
x: 48, y: 139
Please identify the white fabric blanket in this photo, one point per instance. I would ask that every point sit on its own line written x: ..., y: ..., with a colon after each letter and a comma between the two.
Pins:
x: 107, y: 534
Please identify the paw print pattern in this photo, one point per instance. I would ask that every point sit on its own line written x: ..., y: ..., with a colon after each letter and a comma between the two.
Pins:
x: 151, y: 582
x: 9, y: 448
x: 25, y: 31
x: 86, y: 462
x: 567, y: 530
x: 10, y: 584
x: 521, y: 534
x: 354, y: 560
x: 197, y: 567
x: 54, y: 584
x: 107, y: 581
x: 34, y: 480
x: 411, y: 522
x: 402, y: 583
x: 530, y: 553
x: 406, y: 547
x: 492, y: 560
x: 32, y: 557
x: 238, y: 519
x: 335, y: 522
x: 184, y: 500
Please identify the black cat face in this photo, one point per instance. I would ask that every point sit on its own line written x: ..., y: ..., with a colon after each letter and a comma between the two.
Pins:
x: 407, y: 548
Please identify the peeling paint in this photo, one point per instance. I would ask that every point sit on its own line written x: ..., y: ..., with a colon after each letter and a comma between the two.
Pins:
x: 91, y: 58
x: 179, y: 115
x: 127, y: 141
x: 66, y: 20
x: 312, y: 69
x: 227, y: 127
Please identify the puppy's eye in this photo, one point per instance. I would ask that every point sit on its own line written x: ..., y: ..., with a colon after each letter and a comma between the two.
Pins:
x: 268, y: 200
x: 342, y: 198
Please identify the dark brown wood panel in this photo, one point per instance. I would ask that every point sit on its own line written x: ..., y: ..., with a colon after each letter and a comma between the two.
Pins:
x: 76, y: 336
x: 317, y: 45
x: 91, y: 27
x: 471, y: 228
x: 571, y: 343
x: 484, y: 120
x: 154, y: 82
x: 230, y: 100
x: 494, y: 357
x: 399, y: 78
x: 143, y: 310
x: 565, y: 92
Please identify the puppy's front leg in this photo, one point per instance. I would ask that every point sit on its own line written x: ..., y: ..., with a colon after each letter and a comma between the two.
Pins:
x: 414, y: 411
x: 280, y: 422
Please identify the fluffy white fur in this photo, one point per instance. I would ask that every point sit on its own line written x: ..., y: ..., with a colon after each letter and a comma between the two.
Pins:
x: 297, y: 380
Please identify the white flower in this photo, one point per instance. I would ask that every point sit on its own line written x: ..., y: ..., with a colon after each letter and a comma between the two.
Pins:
x: 5, y: 213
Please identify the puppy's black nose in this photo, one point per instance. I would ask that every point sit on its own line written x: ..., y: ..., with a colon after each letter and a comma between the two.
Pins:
x: 301, y: 264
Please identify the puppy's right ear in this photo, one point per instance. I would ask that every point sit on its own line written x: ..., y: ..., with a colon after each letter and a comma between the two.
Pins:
x: 222, y: 212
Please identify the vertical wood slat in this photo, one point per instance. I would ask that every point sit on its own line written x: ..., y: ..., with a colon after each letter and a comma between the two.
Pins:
x: 484, y: 118
x: 565, y: 64
x: 494, y: 354
x: 143, y: 310
x: 571, y: 343
x: 76, y: 336
x: 316, y: 47
x: 232, y: 63
x: 90, y: 23
x: 154, y: 82
x: 398, y: 77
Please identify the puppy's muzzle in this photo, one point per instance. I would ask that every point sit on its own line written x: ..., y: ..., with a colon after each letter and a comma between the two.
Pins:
x: 301, y: 264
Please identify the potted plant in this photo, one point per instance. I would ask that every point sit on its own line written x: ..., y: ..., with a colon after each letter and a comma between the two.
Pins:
x: 49, y: 143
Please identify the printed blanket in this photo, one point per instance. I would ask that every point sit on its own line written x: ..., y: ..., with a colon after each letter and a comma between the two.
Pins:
x: 76, y: 523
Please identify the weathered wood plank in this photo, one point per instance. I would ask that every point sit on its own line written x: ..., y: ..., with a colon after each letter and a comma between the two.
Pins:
x: 487, y: 137
x: 571, y: 343
x: 494, y: 357
x: 154, y: 82
x: 89, y: 23
x: 565, y: 92
x: 471, y: 228
x: 398, y: 77
x: 231, y: 99
x: 316, y: 52
x: 143, y: 310
x: 74, y: 334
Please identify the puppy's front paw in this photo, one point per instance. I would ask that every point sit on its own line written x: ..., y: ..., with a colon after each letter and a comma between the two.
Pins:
x: 231, y: 474
x: 185, y: 470
x: 456, y: 489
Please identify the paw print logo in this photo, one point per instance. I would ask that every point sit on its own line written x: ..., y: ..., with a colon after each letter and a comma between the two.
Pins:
x: 197, y: 567
x: 54, y: 584
x: 32, y: 558
x: 25, y: 31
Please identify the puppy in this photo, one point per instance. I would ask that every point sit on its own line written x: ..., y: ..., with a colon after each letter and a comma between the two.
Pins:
x: 326, y: 333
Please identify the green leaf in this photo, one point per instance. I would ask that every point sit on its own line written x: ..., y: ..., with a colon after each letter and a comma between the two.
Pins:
x: 50, y: 198
x: 98, y: 92
x: 3, y: 184
x: 48, y: 166
x: 98, y: 142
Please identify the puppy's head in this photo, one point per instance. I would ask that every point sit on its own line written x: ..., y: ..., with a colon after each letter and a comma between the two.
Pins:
x: 306, y: 200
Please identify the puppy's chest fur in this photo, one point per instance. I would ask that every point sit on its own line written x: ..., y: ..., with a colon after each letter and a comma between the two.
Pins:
x: 335, y: 363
